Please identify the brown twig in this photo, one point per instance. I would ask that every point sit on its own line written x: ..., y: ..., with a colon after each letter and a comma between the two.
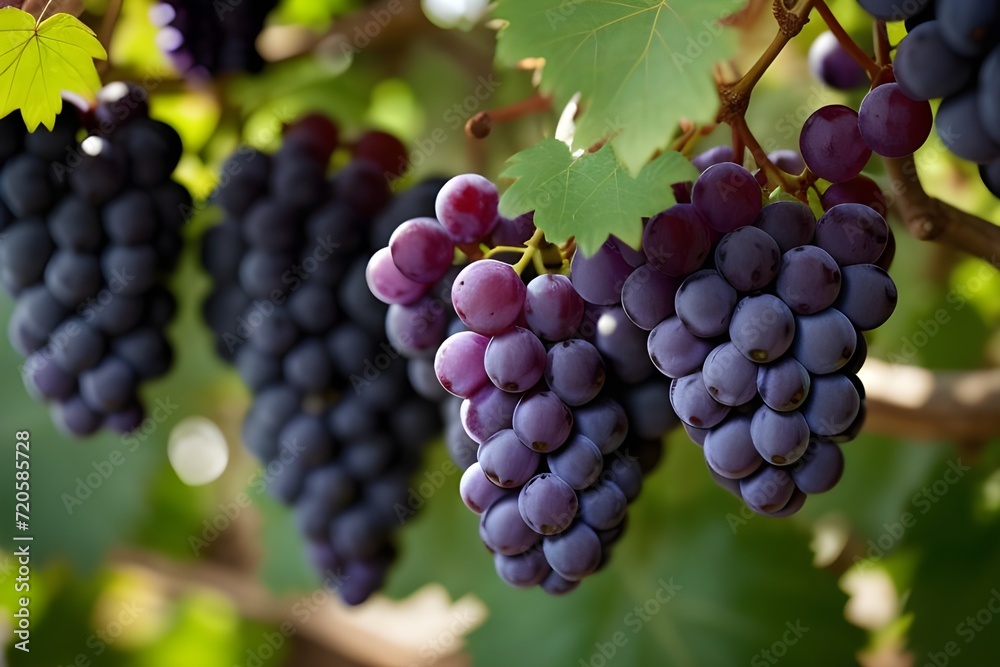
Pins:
x: 913, y: 402
x: 930, y: 219
x: 845, y: 40
x: 481, y: 124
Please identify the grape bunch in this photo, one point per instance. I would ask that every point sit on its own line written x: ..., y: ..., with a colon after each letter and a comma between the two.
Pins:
x: 552, y: 460
x: 91, y: 228
x: 210, y: 38
x: 759, y: 311
x: 334, y: 420
x: 952, y: 51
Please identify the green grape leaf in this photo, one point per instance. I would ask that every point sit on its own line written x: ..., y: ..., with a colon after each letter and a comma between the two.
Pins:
x: 641, y: 65
x: 40, y: 61
x: 590, y: 196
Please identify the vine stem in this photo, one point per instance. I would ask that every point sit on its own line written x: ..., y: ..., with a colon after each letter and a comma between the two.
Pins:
x: 108, y: 24
x: 845, y: 40
x: 481, y: 124
x: 760, y: 157
x: 530, y: 251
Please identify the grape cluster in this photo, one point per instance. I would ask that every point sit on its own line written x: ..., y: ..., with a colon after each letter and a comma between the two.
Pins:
x: 758, y: 313
x: 334, y: 419
x: 552, y: 460
x: 211, y: 37
x: 90, y: 229
x: 952, y: 51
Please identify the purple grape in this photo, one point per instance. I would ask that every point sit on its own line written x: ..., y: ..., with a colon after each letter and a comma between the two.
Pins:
x: 422, y: 250
x: 824, y: 342
x: 809, y: 280
x: 467, y: 207
x: 790, y: 223
x: 108, y: 387
x: 513, y: 232
x: 674, y: 350
x: 819, y: 469
x: 964, y: 131
x: 714, y: 155
x: 762, y: 328
x: 892, y: 124
x: 677, y: 241
x: 552, y: 307
x: 729, y: 449
x: 599, y: 279
x: 648, y: 296
x: 694, y: 404
x: 547, y: 504
x: 783, y: 384
x: 574, y: 553
x: 603, y: 422
x: 833, y: 65
x: 578, y: 462
x: 477, y: 491
x: 727, y: 196
x: 832, y: 405
x: 926, y: 68
x: 523, y: 570
x: 730, y: 378
x: 542, y: 421
x: 623, y: 345
x: 458, y: 363
x: 748, y: 258
x: 893, y: 10
x: 858, y: 190
x: 515, y: 360
x: 867, y: 296
x: 574, y: 371
x: 488, y: 296
x: 603, y: 506
x: 704, y: 303
x: 503, y: 530
x: 487, y: 411
x: 767, y: 490
x: 506, y: 461
x: 388, y: 284
x: 787, y: 160
x: 831, y: 143
x: 419, y: 328
x: 970, y: 27
x: 780, y: 437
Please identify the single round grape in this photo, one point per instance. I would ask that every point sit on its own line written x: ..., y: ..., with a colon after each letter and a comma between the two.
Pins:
x: 926, y: 68
x: 506, y: 461
x: 76, y: 346
x: 599, y: 278
x: 542, y: 421
x: 513, y: 231
x: 729, y: 449
x: 990, y: 175
x: 488, y: 296
x: 623, y: 346
x: 989, y: 93
x: 832, y: 405
x: 893, y: 10
x: 970, y: 27
x: 674, y: 350
x: 552, y: 307
x: 467, y: 207
x: 458, y: 363
x: 73, y: 277
x: 694, y: 404
x: 858, y: 190
x: 867, y: 296
x: 677, y: 241
x: 790, y: 223
x: 648, y: 296
x: 47, y: 380
x: 146, y: 350
x: 553, y: 584
x: 646, y: 407
x: 762, y: 328
x: 24, y: 253
x: 727, y: 196
x: 108, y: 387
x: 422, y: 250
x: 783, y: 384
x: 515, y: 360
x: 730, y: 377
x: 809, y: 280
x: 523, y: 570
x: 574, y: 371
x: 419, y: 328
x: 831, y: 143
x: 487, y: 411
x: 578, y: 462
x: 787, y: 160
x: 74, y: 418
x: 704, y: 303
x: 129, y: 270
x: 547, y: 504
x: 781, y: 438
x: 603, y: 506
x: 767, y: 490
x: 74, y: 224
x: 714, y: 155
x: 603, y: 422
x: 819, y: 469
x: 824, y: 342
x: 503, y: 530
x: 477, y: 491
x: 307, y: 366
x: 833, y: 65
x: 892, y: 124
x: 748, y: 258
x: 964, y: 131
x: 388, y: 284
x: 574, y: 553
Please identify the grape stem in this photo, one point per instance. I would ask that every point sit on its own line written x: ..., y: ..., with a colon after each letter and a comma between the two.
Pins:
x: 108, y: 24
x: 481, y: 124
x: 845, y: 40
x: 529, y: 251
x: 930, y: 219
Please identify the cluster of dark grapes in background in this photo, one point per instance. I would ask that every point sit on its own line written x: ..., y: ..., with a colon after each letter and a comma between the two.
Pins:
x: 951, y: 51
x: 91, y: 226
x: 760, y: 329
x: 210, y: 38
x: 557, y: 411
x: 334, y: 419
